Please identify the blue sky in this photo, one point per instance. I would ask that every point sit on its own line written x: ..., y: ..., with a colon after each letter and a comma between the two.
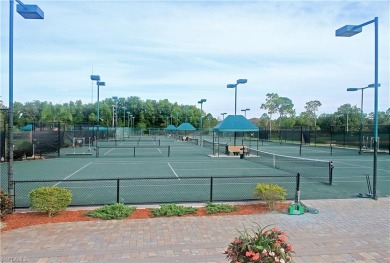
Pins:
x: 188, y: 50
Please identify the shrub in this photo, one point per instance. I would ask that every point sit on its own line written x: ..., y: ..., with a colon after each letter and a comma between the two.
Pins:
x: 260, y: 246
x: 22, y: 149
x: 115, y: 211
x: 5, y: 204
x: 270, y: 193
x: 50, y: 200
x: 212, y: 208
x: 173, y: 210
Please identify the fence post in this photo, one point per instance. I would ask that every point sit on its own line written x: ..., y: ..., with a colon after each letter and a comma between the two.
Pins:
x: 297, y: 193
x: 331, y: 173
x: 134, y: 151
x: 169, y: 150
x: 211, y: 188
x: 117, y: 190
x: 14, y: 197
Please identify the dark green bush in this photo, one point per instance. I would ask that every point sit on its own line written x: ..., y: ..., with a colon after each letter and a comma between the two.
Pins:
x: 51, y: 199
x: 212, y: 208
x: 173, y: 210
x: 22, y: 149
x: 115, y: 211
x: 5, y: 204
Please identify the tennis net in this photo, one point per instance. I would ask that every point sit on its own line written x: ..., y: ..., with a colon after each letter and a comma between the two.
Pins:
x: 312, y: 169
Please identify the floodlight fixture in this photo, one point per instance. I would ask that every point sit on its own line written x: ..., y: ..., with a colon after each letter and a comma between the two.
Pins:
x: 29, y: 11
x: 242, y: 81
x: 95, y: 77
x: 230, y: 86
x: 348, y: 31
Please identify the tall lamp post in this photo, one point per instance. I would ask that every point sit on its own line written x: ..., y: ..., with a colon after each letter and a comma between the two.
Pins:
x: 115, y: 98
x: 201, y: 118
x: 27, y: 12
x: 98, y: 83
x: 124, y: 121
x: 245, y: 110
x: 348, y: 31
x: 231, y: 86
x: 128, y: 124
x: 361, y: 111
x: 131, y: 124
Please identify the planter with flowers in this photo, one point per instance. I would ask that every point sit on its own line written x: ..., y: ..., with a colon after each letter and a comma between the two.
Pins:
x: 260, y: 246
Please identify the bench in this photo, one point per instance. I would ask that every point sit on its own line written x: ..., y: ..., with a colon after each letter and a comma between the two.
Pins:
x: 237, y: 149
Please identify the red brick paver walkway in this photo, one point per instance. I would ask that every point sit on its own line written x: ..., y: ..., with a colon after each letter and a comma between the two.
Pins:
x: 353, y: 230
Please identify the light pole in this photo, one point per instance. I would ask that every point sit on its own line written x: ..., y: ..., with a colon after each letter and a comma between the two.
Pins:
x: 223, y: 115
x: 201, y: 118
x: 128, y: 119
x: 124, y: 121
x: 131, y: 124
x: 230, y: 86
x: 201, y: 111
x: 113, y: 115
x: 124, y: 115
x: 348, y: 31
x: 115, y: 98
x: 98, y: 83
x: 27, y: 12
x: 361, y: 111
x: 245, y: 110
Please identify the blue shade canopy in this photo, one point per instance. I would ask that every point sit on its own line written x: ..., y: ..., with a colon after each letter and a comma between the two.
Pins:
x: 171, y: 128
x: 30, y: 11
x: 28, y: 127
x: 185, y: 126
x: 235, y: 123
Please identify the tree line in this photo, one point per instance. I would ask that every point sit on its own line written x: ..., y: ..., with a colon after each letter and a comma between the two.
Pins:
x: 132, y: 111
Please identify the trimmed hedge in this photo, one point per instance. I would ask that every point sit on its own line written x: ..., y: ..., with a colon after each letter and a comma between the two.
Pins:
x: 50, y: 200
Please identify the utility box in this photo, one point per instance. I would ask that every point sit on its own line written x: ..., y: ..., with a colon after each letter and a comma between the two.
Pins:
x: 296, y: 209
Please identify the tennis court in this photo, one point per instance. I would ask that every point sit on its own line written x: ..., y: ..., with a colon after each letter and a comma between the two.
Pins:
x: 189, y: 174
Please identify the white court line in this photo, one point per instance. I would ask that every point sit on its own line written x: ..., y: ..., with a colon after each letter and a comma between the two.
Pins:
x: 160, y: 152
x: 74, y: 173
x: 173, y: 171
x: 109, y: 151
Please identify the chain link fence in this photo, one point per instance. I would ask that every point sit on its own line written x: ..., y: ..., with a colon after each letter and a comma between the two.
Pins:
x: 90, y: 192
x: 339, y: 136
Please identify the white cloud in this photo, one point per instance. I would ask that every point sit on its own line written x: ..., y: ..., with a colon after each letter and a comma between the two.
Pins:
x: 187, y: 50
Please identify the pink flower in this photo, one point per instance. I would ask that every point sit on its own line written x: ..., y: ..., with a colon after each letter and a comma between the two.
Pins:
x: 275, y: 229
x: 290, y: 247
x: 256, y: 256
x: 282, y: 238
x: 249, y: 253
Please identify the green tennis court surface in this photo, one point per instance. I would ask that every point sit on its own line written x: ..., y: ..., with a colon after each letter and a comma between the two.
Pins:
x: 187, y: 175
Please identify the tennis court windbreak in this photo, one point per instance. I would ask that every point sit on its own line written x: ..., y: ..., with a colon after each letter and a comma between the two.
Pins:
x: 312, y: 169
